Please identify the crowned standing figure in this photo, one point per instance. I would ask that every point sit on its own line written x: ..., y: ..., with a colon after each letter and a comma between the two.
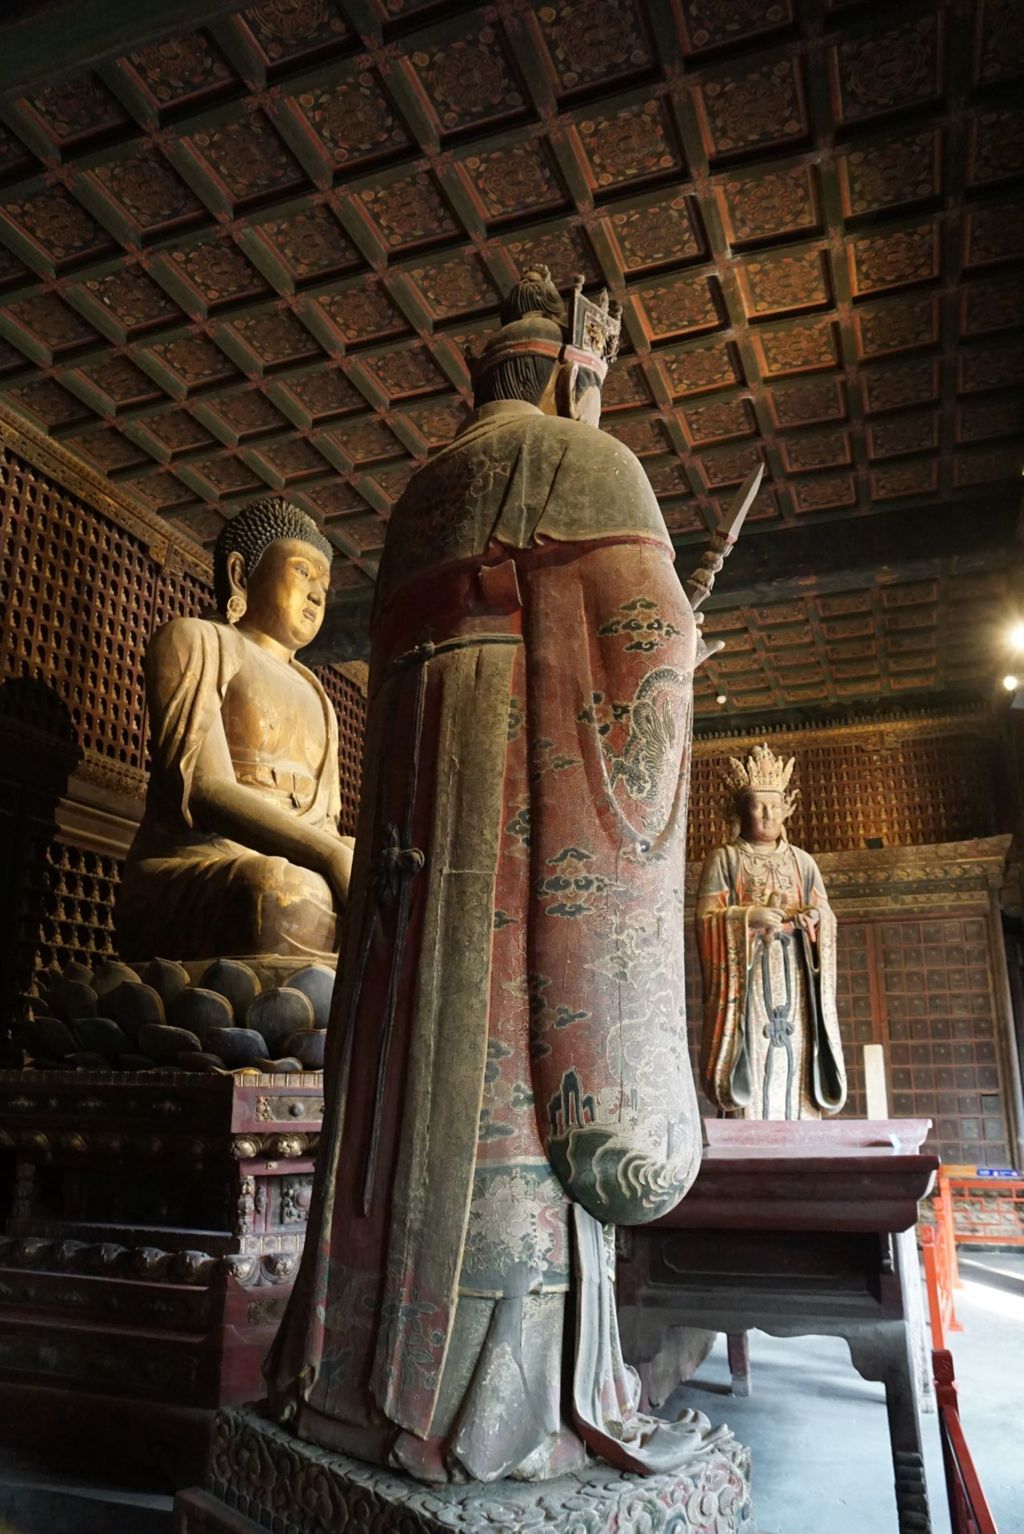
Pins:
x: 770, y: 1047
x: 508, y: 1071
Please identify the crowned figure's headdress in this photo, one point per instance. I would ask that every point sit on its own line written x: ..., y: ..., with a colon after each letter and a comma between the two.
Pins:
x: 536, y: 323
x: 762, y: 771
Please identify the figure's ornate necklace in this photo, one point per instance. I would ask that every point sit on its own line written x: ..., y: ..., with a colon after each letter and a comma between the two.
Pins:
x: 766, y: 870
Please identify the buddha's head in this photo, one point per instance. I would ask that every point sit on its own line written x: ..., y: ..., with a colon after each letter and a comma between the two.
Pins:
x: 271, y: 573
x: 548, y: 355
x: 758, y: 798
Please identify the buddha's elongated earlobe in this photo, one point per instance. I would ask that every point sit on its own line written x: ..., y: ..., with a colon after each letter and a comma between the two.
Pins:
x: 237, y: 601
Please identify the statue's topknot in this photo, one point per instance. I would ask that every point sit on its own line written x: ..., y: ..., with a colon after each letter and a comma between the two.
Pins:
x: 252, y: 531
x: 535, y: 294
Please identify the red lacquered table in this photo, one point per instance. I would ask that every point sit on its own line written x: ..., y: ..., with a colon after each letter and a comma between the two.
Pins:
x: 793, y: 1229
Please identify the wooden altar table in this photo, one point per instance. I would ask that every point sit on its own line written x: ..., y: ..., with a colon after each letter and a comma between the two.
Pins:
x: 793, y: 1228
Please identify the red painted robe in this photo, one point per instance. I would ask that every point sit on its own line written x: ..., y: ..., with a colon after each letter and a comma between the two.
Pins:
x: 509, y: 1075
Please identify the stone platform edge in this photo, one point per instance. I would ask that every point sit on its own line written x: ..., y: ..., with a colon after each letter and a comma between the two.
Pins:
x: 262, y: 1480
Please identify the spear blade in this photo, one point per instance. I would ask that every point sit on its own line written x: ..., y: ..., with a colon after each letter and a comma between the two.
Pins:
x: 698, y: 587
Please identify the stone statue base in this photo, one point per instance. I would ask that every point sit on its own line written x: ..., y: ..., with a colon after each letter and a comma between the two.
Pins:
x: 262, y: 1012
x: 261, y: 1478
x: 271, y: 969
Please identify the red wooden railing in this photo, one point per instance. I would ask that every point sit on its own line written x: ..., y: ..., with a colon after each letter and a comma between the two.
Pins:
x: 989, y: 1211
x: 943, y: 1205
x: 939, y: 1282
x: 969, y: 1512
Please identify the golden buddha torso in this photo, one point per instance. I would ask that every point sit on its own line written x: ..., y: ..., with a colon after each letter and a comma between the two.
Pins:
x: 275, y: 727
x: 193, y: 887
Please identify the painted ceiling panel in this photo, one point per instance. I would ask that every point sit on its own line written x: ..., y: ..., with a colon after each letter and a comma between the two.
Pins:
x: 255, y: 256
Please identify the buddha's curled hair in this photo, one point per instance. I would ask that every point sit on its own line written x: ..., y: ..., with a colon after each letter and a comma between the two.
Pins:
x: 251, y: 533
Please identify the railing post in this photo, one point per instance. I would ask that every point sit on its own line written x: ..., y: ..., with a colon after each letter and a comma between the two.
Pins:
x: 969, y: 1512
x: 932, y: 1286
x: 944, y: 1216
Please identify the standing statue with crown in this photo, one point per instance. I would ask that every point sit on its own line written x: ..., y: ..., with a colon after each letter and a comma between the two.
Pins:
x: 510, y: 1076
x: 767, y: 938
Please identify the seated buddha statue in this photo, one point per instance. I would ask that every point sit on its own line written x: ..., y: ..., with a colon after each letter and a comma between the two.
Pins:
x: 238, y: 851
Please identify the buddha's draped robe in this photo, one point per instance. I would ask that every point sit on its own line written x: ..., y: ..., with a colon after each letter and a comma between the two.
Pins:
x: 755, y: 990
x: 508, y: 1071
x: 188, y: 893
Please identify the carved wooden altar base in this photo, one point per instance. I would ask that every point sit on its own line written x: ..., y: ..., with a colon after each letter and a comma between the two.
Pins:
x: 261, y: 1478
x: 158, y: 1220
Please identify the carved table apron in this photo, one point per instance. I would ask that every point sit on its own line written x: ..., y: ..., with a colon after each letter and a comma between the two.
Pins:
x: 792, y: 1228
x: 157, y: 1221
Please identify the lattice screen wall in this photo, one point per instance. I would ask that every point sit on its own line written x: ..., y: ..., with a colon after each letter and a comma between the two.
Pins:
x: 904, y: 785
x: 66, y: 909
x: 939, y: 1015
x: 76, y: 592
x: 350, y: 707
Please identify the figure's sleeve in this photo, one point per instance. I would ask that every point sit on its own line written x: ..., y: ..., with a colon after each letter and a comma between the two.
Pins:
x: 722, y: 942
x: 814, y: 885
x: 188, y: 665
x: 829, y: 1067
x: 714, y: 893
x: 609, y: 644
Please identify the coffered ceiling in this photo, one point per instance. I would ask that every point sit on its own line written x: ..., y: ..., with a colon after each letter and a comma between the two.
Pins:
x: 252, y: 256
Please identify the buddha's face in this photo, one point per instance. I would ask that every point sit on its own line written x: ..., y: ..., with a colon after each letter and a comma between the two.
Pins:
x: 762, y: 814
x: 286, y: 594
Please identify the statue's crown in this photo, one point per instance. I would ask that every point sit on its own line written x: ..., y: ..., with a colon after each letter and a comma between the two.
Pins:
x: 762, y: 771
x: 535, y: 323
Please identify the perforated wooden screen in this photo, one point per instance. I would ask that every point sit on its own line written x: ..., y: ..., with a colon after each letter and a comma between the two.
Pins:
x: 350, y: 707
x: 906, y: 785
x: 66, y: 910
x: 939, y: 1013
x: 77, y: 593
